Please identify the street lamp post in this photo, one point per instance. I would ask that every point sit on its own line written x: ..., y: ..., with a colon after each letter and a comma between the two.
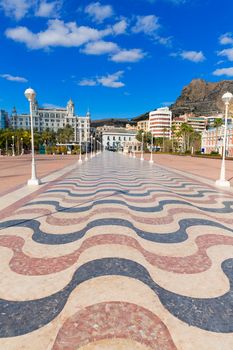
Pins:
x: 94, y: 146
x: 100, y: 147
x: 142, y: 158
x: 222, y: 182
x: 22, y: 150
x: 80, y: 145
x: 91, y: 146
x: 6, y: 146
x: 151, y: 154
x: 86, y: 157
x: 134, y: 154
x: 13, y: 146
x: 30, y: 95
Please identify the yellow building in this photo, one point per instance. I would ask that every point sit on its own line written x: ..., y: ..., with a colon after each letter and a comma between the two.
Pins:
x: 143, y: 125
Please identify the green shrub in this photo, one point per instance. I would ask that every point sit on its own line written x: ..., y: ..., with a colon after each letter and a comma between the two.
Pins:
x: 214, y: 153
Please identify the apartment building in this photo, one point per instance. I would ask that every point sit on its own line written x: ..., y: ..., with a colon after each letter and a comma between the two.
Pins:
x: 212, y: 140
x: 160, y: 122
x: 143, y: 125
x: 3, y: 119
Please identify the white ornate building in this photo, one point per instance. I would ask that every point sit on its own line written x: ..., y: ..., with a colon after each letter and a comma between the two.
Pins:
x: 54, y: 119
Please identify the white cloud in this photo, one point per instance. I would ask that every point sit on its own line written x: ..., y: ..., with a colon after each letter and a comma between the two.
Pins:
x: 226, y: 39
x: 120, y: 27
x: 16, y: 8
x: 193, y: 56
x: 224, y: 71
x: 51, y: 106
x: 117, y: 54
x: 133, y: 55
x: 48, y: 9
x: 58, y: 33
x: 87, y: 82
x: 227, y: 53
x: 13, y: 78
x: 167, y: 41
x: 100, y: 47
x: 99, y: 12
x: 110, y: 80
x: 146, y: 24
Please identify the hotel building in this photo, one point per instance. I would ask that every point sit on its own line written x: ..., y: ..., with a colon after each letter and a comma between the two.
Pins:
x: 160, y: 122
x: 54, y: 119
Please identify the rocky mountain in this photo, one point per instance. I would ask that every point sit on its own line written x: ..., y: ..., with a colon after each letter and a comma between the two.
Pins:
x: 111, y: 122
x: 202, y: 98
x: 199, y: 97
x: 141, y: 117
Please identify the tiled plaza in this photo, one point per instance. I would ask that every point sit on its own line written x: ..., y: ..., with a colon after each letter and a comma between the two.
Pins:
x: 117, y: 254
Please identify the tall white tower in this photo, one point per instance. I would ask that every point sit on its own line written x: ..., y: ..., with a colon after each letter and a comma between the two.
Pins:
x: 88, y: 115
x: 70, y: 108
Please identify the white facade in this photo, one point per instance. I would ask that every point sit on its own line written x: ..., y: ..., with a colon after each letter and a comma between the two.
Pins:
x: 54, y: 119
x: 117, y: 138
x: 160, y: 122
x: 212, y: 140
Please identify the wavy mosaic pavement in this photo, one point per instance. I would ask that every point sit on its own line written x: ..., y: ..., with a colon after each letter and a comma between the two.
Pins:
x: 119, y: 254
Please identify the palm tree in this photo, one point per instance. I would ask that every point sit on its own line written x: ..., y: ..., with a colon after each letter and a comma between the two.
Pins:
x: 164, y: 133
x: 173, y: 134
x: 217, y: 123
x: 186, y: 131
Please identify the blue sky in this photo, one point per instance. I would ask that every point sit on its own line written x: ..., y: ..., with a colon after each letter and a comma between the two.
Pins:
x: 119, y: 58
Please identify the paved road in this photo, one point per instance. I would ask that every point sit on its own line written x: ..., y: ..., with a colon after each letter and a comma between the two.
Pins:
x: 119, y: 254
x: 15, y: 171
x: 203, y: 167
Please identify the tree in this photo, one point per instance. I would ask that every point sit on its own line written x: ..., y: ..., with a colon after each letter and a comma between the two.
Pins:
x: 65, y: 135
x: 217, y: 123
x: 48, y: 137
x: 173, y: 134
x: 147, y: 138
x: 164, y: 133
x: 186, y: 131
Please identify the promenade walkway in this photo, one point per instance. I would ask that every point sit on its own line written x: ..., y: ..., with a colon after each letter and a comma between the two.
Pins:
x: 118, y: 254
